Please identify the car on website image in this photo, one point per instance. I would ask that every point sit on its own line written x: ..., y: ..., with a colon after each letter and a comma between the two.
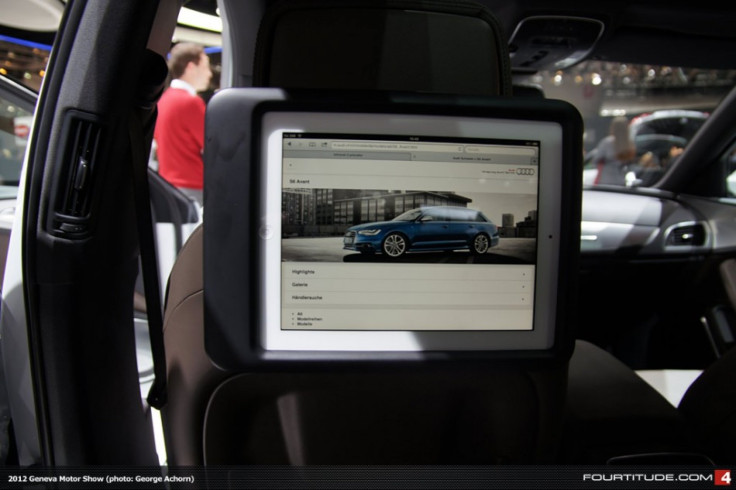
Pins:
x: 352, y: 225
x: 425, y: 229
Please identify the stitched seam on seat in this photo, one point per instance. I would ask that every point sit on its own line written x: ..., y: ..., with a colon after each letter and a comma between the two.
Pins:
x: 179, y: 305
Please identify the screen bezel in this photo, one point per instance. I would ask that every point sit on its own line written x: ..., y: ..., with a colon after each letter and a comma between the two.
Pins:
x: 233, y: 281
x: 541, y: 336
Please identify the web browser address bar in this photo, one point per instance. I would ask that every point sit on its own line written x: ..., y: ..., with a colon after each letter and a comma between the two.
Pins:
x: 389, y: 146
x: 503, y: 150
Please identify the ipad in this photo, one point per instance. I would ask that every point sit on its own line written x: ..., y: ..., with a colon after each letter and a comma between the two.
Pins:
x: 393, y: 231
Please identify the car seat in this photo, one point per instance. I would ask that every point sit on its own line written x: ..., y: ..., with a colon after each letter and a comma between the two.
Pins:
x: 612, y: 412
x: 630, y: 421
x: 460, y: 414
x: 709, y: 404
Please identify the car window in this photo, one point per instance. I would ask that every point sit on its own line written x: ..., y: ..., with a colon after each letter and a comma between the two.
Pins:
x: 15, y: 125
x: 457, y: 214
x: 462, y: 214
x: 24, y: 61
x: 409, y: 215
x: 663, y: 106
x: 437, y: 214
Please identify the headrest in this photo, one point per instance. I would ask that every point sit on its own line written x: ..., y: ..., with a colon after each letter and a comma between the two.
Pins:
x: 453, y: 47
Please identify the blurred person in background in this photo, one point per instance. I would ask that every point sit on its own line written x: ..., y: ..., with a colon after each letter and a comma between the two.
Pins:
x: 179, y: 132
x: 615, y: 153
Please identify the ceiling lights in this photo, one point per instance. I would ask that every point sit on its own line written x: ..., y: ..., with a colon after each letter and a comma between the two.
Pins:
x: 199, y: 20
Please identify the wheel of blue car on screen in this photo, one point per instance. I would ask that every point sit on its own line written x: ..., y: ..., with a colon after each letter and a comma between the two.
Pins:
x: 394, y: 245
x: 480, y: 244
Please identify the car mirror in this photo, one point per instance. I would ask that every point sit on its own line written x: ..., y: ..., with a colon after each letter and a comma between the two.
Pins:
x: 424, y: 219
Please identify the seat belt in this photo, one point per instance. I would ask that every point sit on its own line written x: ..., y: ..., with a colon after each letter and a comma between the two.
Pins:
x: 139, y: 160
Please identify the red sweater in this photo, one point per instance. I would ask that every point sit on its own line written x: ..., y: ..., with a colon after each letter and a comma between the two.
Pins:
x: 179, y: 135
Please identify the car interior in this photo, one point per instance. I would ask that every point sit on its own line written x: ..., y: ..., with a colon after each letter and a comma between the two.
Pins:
x: 643, y: 279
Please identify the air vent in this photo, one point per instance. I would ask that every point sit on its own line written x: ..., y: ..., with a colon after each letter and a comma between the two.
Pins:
x: 687, y: 235
x: 74, y: 192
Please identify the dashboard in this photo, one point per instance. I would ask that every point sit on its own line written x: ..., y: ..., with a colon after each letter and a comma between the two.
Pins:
x: 648, y: 225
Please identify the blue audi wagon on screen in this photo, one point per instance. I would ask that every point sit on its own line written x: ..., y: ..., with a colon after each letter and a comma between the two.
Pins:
x: 425, y: 229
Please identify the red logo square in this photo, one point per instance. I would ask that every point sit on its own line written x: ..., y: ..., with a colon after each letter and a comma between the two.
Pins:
x: 722, y: 477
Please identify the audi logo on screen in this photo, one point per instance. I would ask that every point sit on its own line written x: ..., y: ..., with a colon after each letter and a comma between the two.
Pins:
x: 525, y: 171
